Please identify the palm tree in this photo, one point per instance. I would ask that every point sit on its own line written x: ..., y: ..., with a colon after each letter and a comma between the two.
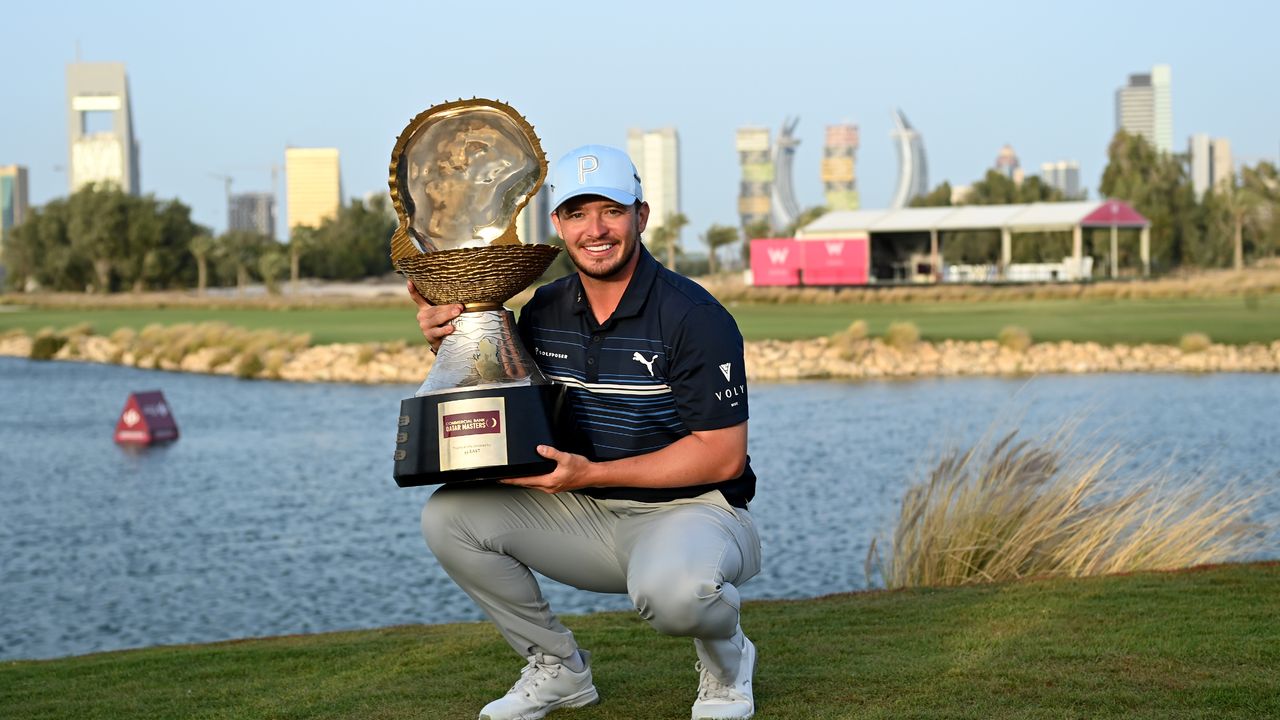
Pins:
x: 301, y: 241
x: 201, y: 246
x: 671, y: 230
x: 716, y: 237
x: 1241, y: 204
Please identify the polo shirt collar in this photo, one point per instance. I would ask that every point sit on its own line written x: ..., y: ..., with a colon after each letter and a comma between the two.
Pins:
x: 634, y: 296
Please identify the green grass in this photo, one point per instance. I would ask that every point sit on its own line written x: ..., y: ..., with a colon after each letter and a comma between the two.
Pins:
x: 1203, y: 643
x: 1228, y: 320
x: 325, y: 326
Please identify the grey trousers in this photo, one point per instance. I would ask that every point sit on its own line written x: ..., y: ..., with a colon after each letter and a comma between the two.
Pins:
x: 679, y: 562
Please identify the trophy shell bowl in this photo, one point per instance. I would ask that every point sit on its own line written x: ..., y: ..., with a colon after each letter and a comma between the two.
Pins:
x: 460, y: 174
x: 487, y: 276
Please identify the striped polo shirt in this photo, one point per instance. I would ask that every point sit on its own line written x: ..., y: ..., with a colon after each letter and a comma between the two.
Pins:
x: 666, y: 363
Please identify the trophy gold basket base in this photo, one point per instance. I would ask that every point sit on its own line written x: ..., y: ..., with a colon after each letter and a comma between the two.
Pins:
x: 483, y: 434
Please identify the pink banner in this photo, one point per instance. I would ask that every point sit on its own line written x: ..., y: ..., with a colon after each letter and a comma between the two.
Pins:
x: 834, y: 262
x: 775, y: 261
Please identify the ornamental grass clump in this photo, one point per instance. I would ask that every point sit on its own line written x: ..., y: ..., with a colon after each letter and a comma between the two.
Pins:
x: 1013, y: 509
x: 1194, y: 342
x: 46, y: 345
x: 848, y: 342
x: 1014, y: 338
x: 902, y: 335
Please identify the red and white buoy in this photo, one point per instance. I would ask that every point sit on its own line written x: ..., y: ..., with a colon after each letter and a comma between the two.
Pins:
x: 146, y: 420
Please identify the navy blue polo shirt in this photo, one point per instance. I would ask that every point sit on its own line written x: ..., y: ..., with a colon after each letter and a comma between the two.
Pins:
x: 666, y: 363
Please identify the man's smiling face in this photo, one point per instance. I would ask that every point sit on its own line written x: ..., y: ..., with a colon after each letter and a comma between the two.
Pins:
x: 600, y: 235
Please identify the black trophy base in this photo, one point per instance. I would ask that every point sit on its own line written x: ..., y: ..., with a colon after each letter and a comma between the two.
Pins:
x: 534, y: 415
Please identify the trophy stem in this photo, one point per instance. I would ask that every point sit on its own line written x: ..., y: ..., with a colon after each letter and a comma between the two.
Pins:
x: 483, y: 352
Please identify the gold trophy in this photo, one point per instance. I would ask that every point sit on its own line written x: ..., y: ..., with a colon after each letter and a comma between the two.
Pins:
x: 460, y: 173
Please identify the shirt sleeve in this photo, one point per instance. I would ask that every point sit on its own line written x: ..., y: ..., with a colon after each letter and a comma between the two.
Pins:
x: 707, y: 373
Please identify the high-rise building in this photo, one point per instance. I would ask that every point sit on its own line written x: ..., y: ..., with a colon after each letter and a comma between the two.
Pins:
x: 252, y: 211
x: 783, y: 205
x: 533, y: 223
x: 100, y: 127
x: 1064, y: 175
x: 13, y: 201
x: 839, y: 167
x: 1145, y: 107
x: 1211, y: 164
x: 656, y: 154
x: 756, y: 187
x: 1007, y: 164
x: 913, y: 168
x: 313, y: 185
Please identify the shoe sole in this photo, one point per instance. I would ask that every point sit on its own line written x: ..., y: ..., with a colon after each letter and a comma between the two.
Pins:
x: 587, y: 697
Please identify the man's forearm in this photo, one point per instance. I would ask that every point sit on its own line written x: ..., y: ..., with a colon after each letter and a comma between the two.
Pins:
x: 696, y: 459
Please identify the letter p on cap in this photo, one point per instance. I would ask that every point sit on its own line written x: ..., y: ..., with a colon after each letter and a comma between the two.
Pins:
x: 587, y: 164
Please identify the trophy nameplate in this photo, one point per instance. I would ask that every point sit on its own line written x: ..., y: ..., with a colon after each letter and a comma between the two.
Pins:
x: 460, y: 173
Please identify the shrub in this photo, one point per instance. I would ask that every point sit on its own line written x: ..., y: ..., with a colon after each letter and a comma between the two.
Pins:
x: 249, y: 365
x: 83, y: 329
x: 365, y: 353
x: 902, y: 335
x: 1194, y: 342
x: 46, y: 345
x: 1015, y: 338
x: 1012, y: 509
x: 274, y: 362
x: 221, y: 357
x: 848, y: 341
x: 123, y: 337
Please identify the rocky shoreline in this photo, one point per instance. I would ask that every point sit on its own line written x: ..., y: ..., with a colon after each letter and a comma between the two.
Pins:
x: 769, y: 360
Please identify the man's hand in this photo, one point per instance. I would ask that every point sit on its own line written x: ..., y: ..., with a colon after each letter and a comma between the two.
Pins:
x: 572, y: 473
x: 433, y: 319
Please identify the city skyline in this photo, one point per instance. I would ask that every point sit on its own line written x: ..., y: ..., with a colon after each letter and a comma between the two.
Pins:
x: 229, y: 100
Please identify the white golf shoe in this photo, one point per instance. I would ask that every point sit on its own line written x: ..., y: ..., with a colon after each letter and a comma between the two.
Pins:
x: 718, y: 701
x: 545, y: 684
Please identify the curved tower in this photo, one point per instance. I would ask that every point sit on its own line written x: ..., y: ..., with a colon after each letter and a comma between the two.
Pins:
x: 784, y: 208
x: 913, y: 170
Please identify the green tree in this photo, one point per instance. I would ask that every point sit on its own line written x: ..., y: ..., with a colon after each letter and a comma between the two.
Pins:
x: 102, y: 238
x: 202, y: 247
x: 667, y: 237
x: 805, y: 217
x: 356, y: 243
x: 302, y: 240
x: 1157, y: 185
x: 172, y: 264
x: 272, y: 263
x: 240, y: 251
x: 143, y: 240
x: 758, y: 230
x: 97, y: 224
x: 716, y: 237
x: 937, y: 197
x: 1263, y: 182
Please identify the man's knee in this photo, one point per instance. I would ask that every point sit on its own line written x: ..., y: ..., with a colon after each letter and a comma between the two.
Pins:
x: 687, y: 606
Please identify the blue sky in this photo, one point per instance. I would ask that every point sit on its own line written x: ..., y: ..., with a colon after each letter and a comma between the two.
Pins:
x: 222, y: 88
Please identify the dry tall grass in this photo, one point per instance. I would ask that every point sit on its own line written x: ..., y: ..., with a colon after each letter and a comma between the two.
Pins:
x: 1251, y: 283
x: 1194, y: 342
x: 902, y: 335
x: 1015, y: 338
x: 850, y: 341
x: 1011, y: 508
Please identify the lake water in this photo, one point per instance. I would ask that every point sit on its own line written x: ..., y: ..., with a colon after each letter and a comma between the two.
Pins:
x: 276, y: 512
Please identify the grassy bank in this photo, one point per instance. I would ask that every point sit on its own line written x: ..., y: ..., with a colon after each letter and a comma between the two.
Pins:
x: 1232, y: 320
x: 1202, y: 643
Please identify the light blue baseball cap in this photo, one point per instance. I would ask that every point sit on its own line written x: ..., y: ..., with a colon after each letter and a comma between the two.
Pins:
x: 595, y: 170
